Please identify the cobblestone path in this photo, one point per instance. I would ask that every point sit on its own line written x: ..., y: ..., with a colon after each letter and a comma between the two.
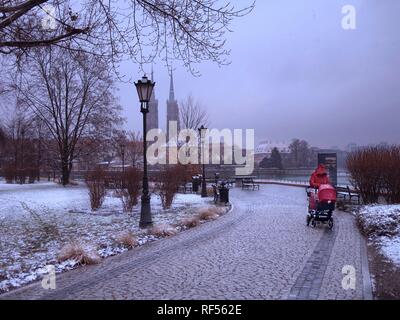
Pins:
x: 262, y: 249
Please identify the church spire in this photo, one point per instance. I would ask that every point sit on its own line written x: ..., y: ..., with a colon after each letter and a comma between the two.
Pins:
x: 171, y: 88
x: 153, y: 94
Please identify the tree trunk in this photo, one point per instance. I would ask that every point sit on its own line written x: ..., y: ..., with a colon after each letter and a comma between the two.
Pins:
x: 65, y: 169
x: 65, y: 175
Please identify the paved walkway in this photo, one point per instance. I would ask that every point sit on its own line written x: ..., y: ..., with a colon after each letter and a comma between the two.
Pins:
x: 260, y: 250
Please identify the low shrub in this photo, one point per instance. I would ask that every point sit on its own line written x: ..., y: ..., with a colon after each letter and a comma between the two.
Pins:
x: 168, y: 180
x: 391, y: 174
x: 379, y: 220
x: 128, y: 188
x: 375, y: 171
x: 95, y: 181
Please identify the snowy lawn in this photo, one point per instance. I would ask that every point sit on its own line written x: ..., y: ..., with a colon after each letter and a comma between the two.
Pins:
x: 37, y: 220
x: 381, y: 224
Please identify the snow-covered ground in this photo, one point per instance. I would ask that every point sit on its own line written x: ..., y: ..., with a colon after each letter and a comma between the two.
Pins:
x: 381, y: 223
x: 37, y: 220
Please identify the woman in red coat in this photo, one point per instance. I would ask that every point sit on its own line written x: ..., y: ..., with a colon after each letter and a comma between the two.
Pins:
x: 319, y: 176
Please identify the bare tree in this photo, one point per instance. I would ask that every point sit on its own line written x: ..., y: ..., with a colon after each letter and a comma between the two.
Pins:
x: 187, y: 30
x: 73, y: 95
x: 131, y: 144
x: 192, y: 114
x: 18, y: 151
x: 135, y: 148
x: 19, y: 129
x: 300, y: 153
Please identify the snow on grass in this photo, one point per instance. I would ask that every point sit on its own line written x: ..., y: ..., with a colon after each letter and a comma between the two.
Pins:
x: 391, y: 249
x: 37, y: 220
x: 381, y: 223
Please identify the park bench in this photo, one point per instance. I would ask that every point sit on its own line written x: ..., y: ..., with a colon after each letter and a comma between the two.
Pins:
x: 248, y: 183
x: 346, y: 194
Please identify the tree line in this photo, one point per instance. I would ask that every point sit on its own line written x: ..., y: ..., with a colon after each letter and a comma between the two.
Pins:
x: 300, y: 155
x: 60, y: 67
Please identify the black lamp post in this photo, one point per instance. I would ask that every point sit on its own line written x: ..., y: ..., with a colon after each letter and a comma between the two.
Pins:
x: 203, y: 184
x: 145, y: 88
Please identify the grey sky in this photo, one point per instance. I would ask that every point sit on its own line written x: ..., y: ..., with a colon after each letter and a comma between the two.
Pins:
x: 296, y: 73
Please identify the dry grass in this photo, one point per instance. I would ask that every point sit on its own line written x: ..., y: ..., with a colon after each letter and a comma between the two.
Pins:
x: 82, y: 254
x: 210, y: 213
x: 127, y: 239
x: 163, y: 230
x: 210, y: 192
x: 191, y: 222
x: 204, y: 214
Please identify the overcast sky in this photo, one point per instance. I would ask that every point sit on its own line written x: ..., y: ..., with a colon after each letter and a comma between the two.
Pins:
x: 296, y: 72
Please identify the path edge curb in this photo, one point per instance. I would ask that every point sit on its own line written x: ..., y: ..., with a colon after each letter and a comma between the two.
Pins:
x: 366, y: 275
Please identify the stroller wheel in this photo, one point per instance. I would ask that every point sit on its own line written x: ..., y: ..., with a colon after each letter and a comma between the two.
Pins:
x: 330, y: 223
x: 313, y: 223
x: 308, y: 220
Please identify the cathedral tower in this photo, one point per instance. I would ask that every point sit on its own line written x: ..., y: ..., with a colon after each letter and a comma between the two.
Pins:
x: 152, y: 116
x: 172, y: 107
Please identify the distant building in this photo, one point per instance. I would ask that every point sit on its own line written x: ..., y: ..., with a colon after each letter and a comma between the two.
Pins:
x: 264, y: 149
x: 352, y: 147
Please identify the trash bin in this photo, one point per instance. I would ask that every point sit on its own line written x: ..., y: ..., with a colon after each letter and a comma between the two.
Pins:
x: 195, y: 183
x: 223, y: 193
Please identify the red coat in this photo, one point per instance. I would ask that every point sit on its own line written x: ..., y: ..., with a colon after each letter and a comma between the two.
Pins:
x: 319, y: 177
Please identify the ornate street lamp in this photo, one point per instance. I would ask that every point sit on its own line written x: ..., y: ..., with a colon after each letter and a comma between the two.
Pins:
x: 203, y: 184
x: 144, y: 89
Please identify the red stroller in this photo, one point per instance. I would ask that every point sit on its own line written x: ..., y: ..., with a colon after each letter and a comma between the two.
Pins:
x: 321, y: 205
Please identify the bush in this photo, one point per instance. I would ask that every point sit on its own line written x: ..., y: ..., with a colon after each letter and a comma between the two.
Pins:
x: 375, y: 171
x: 95, y: 181
x: 391, y: 174
x: 379, y: 220
x: 128, y: 188
x: 168, y: 180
